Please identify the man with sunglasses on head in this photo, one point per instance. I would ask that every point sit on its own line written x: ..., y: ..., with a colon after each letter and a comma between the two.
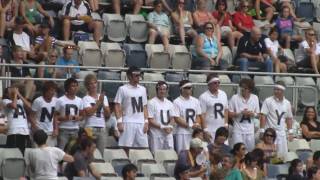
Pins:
x: 187, y: 112
x: 160, y: 111
x: 214, y: 106
x: 243, y: 108
x: 131, y: 112
x: 276, y: 113
x: 309, y: 51
x: 67, y: 60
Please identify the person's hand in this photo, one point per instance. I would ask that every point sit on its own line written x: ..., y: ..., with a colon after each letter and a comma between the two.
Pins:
x: 167, y: 130
x: 212, y: 62
x: 120, y: 127
x: 76, y: 118
x: 101, y: 98
x: 260, y: 58
x: 145, y: 127
x: 55, y: 133
x: 195, y: 126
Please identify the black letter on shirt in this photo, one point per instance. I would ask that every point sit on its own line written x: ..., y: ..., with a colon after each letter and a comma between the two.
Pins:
x: 73, y: 106
x: 98, y: 113
x: 137, y: 106
x: 45, y: 113
x: 190, y: 114
x: 19, y: 111
x: 279, y: 116
x: 218, y: 108
x: 162, y: 118
x: 245, y: 119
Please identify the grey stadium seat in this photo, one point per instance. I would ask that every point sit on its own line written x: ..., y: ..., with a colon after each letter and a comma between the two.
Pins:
x: 264, y: 92
x: 180, y: 57
x: 115, y: 27
x: 110, y: 88
x: 198, y: 89
x: 135, y: 55
x: 151, y: 88
x: 307, y: 96
x: 157, y: 58
x: 113, y: 55
x: 174, y: 90
x: 90, y: 53
x: 137, y: 28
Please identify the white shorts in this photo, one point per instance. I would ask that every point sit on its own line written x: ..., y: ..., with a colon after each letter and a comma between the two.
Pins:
x: 133, y: 136
x: 282, y: 145
x: 225, y: 30
x: 182, y: 142
x: 161, y: 142
x: 247, y: 139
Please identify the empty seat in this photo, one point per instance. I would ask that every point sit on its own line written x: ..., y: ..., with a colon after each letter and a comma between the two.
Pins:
x: 115, y: 27
x: 298, y: 144
x: 90, y: 53
x: 227, y: 55
x: 180, y: 57
x: 314, y: 145
x: 226, y: 85
x: 304, y: 155
x: 110, y: 88
x: 198, y: 89
x: 153, y: 170
x: 114, y: 154
x: 97, y: 156
x: 289, y: 156
x: 151, y: 88
x: 264, y: 92
x: 162, y: 156
x: 110, y: 142
x: 277, y: 169
x: 157, y: 58
x: 105, y: 169
x: 170, y: 168
x: 137, y: 28
x: 174, y: 90
x: 306, y: 95
x: 113, y: 55
x: 140, y: 156
x: 3, y: 138
x: 13, y: 168
x: 135, y: 55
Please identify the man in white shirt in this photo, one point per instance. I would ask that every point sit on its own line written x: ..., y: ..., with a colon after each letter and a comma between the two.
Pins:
x: 43, y: 109
x: 131, y: 112
x: 214, y: 106
x: 96, y: 110
x: 187, y: 114
x: 160, y: 111
x: 68, y: 112
x: 77, y: 17
x: 243, y: 108
x: 276, y: 113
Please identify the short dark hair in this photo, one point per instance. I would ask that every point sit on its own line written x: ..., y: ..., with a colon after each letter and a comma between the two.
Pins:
x: 236, y: 148
x: 161, y: 83
x: 248, y: 82
x: 272, y: 131
x: 156, y: 2
x: 86, y: 142
x: 197, y: 131
x: 40, y: 137
x: 222, y: 131
x: 316, y: 155
x: 127, y: 168
x: 132, y: 69
x: 68, y: 83
x: 249, y: 158
x: 311, y: 171
x: 48, y: 85
x: 221, y: 1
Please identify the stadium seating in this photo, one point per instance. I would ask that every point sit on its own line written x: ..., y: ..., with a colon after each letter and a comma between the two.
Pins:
x: 110, y: 142
x: 157, y: 58
x: 288, y: 157
x: 153, y: 170
x: 264, y: 92
x: 152, y: 77
x: 110, y: 88
x: 225, y: 85
x: 307, y: 96
x: 180, y: 57
x: 315, y: 145
x: 90, y: 53
x: 298, y: 144
x: 115, y: 27
x: 135, y: 55
x: 198, y: 89
x: 113, y: 55
x: 117, y: 157
x: 97, y: 156
x: 277, y: 169
x: 12, y: 163
x: 105, y: 169
x: 141, y: 156
x: 137, y: 28
x: 174, y: 90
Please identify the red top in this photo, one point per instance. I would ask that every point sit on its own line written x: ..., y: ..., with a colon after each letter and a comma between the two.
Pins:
x: 243, y: 19
x: 226, y: 20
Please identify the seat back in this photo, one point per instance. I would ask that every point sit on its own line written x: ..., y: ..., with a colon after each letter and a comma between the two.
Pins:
x: 157, y: 58
x: 151, y: 88
x: 174, y: 90
x: 110, y: 88
x: 105, y: 169
x: 115, y: 27
x: 306, y: 10
x: 113, y: 154
x: 137, y: 28
x: 228, y: 89
x: 113, y: 55
x: 198, y: 89
x: 153, y: 170
x: 13, y: 168
x: 306, y: 95
x: 264, y: 92
x: 135, y: 55
x: 165, y: 155
x: 180, y: 57
x: 90, y: 53
x: 227, y: 54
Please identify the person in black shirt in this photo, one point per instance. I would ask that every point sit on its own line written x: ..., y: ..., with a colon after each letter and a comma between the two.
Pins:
x: 309, y: 125
x: 252, y: 52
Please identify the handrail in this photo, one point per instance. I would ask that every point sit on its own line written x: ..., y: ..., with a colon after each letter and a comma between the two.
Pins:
x: 167, y: 70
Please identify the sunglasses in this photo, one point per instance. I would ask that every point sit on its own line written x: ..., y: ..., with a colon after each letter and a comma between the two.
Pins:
x: 270, y: 135
x: 187, y: 87
x: 311, y: 34
x: 245, y: 6
x: 209, y: 28
x: 53, y: 56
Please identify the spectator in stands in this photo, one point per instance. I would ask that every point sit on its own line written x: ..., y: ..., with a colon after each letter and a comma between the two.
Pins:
x: 296, y: 171
x: 289, y: 3
x: 160, y: 112
x: 43, y: 110
x: 208, y: 50
x: 309, y: 125
x: 261, y: 160
x: 187, y: 115
x: 2, y: 61
x: 8, y: 13
x: 67, y: 60
x: 82, y: 165
x: 313, y: 173
x: 183, y: 22
x: 68, y: 112
x: 77, y: 17
x: 129, y: 172
x: 188, y: 158
x: 251, y: 170
x: 49, y: 72
x: 276, y: 52
x: 136, y: 4
x: 94, y: 5
x: 243, y: 21
x: 201, y: 16
x: 226, y: 167
x: 276, y: 113
x: 285, y: 25
x: 16, y: 108
x: 23, y: 72
x: 183, y: 172
x: 252, y: 52
x: 266, y: 7
x: 131, y: 112
x: 158, y: 22
x: 239, y: 151
x: 243, y: 108
x: 73, y: 144
x: 234, y: 173
x: 221, y: 135
x: 96, y: 110
x: 31, y: 11
x: 225, y: 22
x: 314, y: 161
x: 43, y: 160
x: 268, y: 144
x: 308, y: 52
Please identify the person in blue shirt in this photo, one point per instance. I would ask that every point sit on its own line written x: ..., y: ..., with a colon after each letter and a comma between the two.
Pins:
x: 67, y: 60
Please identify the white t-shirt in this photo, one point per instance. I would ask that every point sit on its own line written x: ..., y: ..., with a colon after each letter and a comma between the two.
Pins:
x: 22, y: 40
x: 214, y: 106
x: 98, y: 119
x: 187, y: 109
x: 17, y: 118
x: 237, y: 104
x: 161, y: 112
x: 276, y: 113
x: 301, y: 51
x: 45, y: 161
x: 273, y: 45
x: 132, y: 100
x: 44, y: 113
x: 66, y: 106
